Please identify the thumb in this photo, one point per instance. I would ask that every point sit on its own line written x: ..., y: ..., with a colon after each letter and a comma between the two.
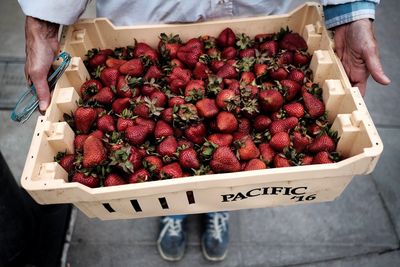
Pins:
x: 43, y: 92
x: 375, y: 67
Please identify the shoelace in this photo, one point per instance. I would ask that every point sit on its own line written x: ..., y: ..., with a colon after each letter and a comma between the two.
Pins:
x: 172, y: 226
x: 218, y: 224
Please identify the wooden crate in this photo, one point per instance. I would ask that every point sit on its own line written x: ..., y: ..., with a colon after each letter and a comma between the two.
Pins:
x: 359, y: 141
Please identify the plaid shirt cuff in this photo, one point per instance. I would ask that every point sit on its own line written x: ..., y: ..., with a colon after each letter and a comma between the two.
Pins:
x: 336, y: 15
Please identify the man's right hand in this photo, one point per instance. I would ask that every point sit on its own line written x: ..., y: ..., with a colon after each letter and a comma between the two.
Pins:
x: 41, y: 48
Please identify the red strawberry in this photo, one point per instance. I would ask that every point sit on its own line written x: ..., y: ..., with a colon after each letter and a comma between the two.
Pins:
x: 248, y: 52
x: 133, y: 67
x: 135, y: 157
x: 247, y: 77
x: 221, y: 139
x: 306, y: 160
x: 143, y: 49
x: 260, y: 69
x: 279, y: 141
x: 278, y: 73
x: 106, y: 123
x: 194, y: 90
x: 313, y: 105
x: 280, y: 161
x: 255, y: 164
x: 79, y: 141
x: 97, y: 133
x: 171, y: 171
x: 120, y: 104
x: 90, y: 88
x: 196, y: 133
x: 153, y: 72
x: 207, y: 108
x: 226, y: 122
x: 153, y: 164
x: 224, y: 160
x: 294, y: 110
x: 94, y: 153
x: 168, y: 45
x: 244, y: 126
x: 232, y: 84
x: 227, y: 71
x: 261, y: 123
x: 97, y: 60
x: 159, y: 98
x: 226, y: 38
x: 227, y: 99
x: 123, y: 89
x: 167, y: 147
x: 136, y: 134
x: 322, y: 157
x: 247, y: 150
x: 162, y: 129
x: 66, y: 161
x: 84, y: 118
x: 149, y: 123
x: 201, y: 71
x: 296, y: 75
x: 267, y: 153
x: 216, y: 65
x: 291, y: 89
x: 229, y: 53
x: 109, y: 76
x: 105, y: 96
x: 167, y: 115
x: 113, y: 179
x: 322, y: 143
x: 176, y: 101
x: 190, y: 52
x: 283, y: 125
x: 293, y: 41
x: 270, y: 100
x: 300, y: 141
x: 141, y: 175
x: 270, y: 47
x: 88, y: 180
x: 285, y: 58
x: 114, y: 63
x: 301, y: 58
x: 263, y: 36
x: 125, y: 120
x: 178, y: 79
x: 188, y: 159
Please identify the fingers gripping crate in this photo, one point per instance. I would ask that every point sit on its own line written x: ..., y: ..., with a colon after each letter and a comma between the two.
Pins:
x: 359, y: 142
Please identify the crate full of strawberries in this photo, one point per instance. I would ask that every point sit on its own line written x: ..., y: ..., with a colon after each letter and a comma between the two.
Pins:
x: 222, y: 115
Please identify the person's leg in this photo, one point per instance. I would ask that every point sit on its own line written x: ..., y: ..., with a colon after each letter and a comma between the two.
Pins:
x: 215, y: 239
x: 171, y: 241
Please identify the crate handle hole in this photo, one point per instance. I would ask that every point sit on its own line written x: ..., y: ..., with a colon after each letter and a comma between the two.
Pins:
x: 190, y: 197
x: 163, y: 203
x: 136, y: 206
x: 108, y: 207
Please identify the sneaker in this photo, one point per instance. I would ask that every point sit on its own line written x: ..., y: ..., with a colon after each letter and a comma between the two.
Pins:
x: 215, y: 239
x: 171, y: 241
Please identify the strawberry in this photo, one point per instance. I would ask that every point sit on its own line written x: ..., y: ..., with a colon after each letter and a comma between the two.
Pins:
x: 224, y: 160
x: 267, y: 153
x: 229, y: 53
x: 280, y: 161
x: 171, y: 171
x: 190, y: 52
x: 322, y: 157
x: 201, y: 71
x: 283, y: 125
x: 269, y: 47
x: 84, y: 118
x: 194, y: 90
x: 133, y: 67
x: 248, y: 52
x: 122, y: 88
x: 113, y: 179
x: 313, y: 105
x: 300, y: 141
x: 291, y: 89
x: 90, y: 88
x: 295, y: 109
x: 227, y: 71
x: 167, y: 147
x: 244, y: 126
x: 221, y: 139
x: 216, y: 65
x: 168, y: 45
x: 97, y: 60
x: 143, y: 49
x: 227, y: 99
x: 278, y: 73
x: 270, y: 100
x: 106, y: 123
x: 207, y: 108
x: 293, y: 41
x: 247, y: 150
x: 153, y: 164
x: 167, y: 115
x: 301, y: 58
x: 159, y: 98
x: 261, y: 123
x: 306, y: 160
x: 226, y: 38
x: 125, y: 120
x: 148, y: 123
x: 247, y: 77
x: 176, y: 101
x: 105, y: 96
x: 88, y: 180
x: 188, y: 159
x: 136, y: 134
x: 97, y: 133
x: 141, y: 175
x: 297, y: 76
x: 66, y: 161
x: 120, y: 104
x: 196, y: 133
x: 260, y: 69
x: 232, y: 84
x: 79, y: 141
x: 114, y: 63
x: 94, y: 153
x: 322, y: 143
x: 284, y: 58
x: 162, y: 129
x: 109, y: 76
x: 226, y: 122
x: 135, y: 157
x: 279, y: 141
x: 178, y: 79
x: 153, y: 72
x: 255, y: 164
x: 261, y: 37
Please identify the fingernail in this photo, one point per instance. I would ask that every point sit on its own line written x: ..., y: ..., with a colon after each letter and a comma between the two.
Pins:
x: 43, y: 105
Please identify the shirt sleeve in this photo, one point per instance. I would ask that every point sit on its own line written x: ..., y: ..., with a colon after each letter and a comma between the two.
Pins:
x: 338, y: 13
x: 64, y: 12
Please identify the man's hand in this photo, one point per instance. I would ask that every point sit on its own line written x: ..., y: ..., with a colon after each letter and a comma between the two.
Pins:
x: 356, y: 46
x: 41, y: 48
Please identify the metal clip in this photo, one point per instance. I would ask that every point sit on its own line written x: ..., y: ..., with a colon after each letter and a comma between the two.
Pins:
x: 28, y: 101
